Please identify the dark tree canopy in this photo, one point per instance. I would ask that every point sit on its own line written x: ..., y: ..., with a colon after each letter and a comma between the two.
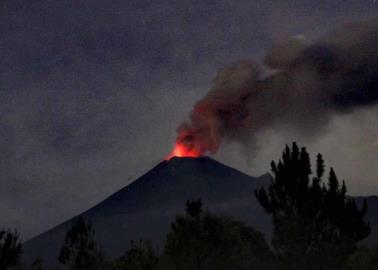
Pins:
x: 316, y: 226
x: 364, y: 259
x: 10, y: 249
x: 139, y: 257
x: 80, y: 251
x: 201, y: 240
x: 38, y: 264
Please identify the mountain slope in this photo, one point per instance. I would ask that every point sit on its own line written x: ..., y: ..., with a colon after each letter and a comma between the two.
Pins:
x: 145, y: 208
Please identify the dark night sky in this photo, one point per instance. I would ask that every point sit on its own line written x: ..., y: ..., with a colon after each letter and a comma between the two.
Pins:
x: 92, y: 91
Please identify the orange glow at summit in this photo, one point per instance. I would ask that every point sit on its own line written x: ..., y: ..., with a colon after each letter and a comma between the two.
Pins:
x: 182, y: 150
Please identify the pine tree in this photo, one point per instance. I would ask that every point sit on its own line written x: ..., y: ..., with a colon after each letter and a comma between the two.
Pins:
x: 80, y: 251
x: 38, y: 264
x: 316, y: 226
x: 139, y: 257
x: 364, y: 259
x: 10, y: 249
x: 201, y: 240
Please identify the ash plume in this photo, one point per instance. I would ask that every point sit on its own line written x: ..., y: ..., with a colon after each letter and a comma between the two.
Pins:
x: 309, y: 83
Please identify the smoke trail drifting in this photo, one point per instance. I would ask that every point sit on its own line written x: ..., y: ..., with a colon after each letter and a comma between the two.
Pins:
x: 311, y: 83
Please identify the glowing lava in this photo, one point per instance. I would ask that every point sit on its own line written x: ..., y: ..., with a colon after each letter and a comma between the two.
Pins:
x: 182, y: 150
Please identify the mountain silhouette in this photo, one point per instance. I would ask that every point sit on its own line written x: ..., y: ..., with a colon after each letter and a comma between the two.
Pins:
x: 145, y: 208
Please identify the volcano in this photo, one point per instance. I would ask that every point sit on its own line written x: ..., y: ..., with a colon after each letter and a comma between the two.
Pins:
x: 145, y: 208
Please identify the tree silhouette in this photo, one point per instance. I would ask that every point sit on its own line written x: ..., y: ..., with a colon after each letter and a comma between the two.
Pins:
x: 10, y: 249
x: 38, y: 264
x: 316, y: 226
x: 364, y: 259
x: 201, y: 240
x: 139, y: 257
x: 80, y: 251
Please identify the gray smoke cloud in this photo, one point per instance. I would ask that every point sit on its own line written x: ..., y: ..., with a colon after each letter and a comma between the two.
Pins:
x: 309, y: 82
